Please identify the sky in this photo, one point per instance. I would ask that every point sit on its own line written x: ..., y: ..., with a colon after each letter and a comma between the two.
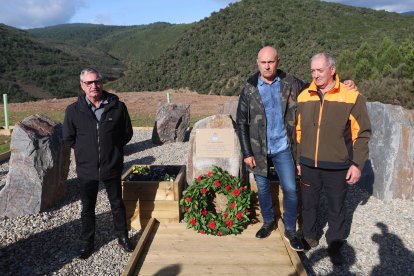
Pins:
x: 26, y: 14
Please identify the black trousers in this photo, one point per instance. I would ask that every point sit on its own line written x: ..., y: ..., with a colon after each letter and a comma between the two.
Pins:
x: 334, y: 184
x: 88, y: 193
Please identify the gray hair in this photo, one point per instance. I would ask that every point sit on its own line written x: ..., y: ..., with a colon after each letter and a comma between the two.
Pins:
x: 90, y: 70
x: 329, y: 58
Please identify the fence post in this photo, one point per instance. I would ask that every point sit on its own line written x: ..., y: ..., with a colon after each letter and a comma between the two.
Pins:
x: 6, y: 113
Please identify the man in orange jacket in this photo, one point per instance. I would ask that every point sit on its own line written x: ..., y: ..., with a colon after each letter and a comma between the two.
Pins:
x: 332, y: 132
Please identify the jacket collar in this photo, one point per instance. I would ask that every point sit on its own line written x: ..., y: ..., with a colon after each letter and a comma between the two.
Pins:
x: 111, y: 98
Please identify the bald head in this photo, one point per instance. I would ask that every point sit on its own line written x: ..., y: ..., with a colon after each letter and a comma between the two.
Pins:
x: 267, y: 62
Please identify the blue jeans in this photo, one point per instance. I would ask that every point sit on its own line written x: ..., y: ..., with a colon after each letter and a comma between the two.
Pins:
x: 285, y: 169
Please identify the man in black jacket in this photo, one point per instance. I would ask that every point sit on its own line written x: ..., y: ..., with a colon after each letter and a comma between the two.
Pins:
x: 97, y: 126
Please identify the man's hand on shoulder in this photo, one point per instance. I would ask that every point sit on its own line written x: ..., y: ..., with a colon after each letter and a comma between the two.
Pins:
x: 350, y: 84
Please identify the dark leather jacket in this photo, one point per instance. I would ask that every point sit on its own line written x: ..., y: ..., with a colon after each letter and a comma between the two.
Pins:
x: 251, y: 118
x: 98, y: 146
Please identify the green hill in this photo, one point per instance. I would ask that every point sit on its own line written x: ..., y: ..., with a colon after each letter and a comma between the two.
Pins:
x: 33, y: 69
x: 218, y: 53
x: 131, y: 44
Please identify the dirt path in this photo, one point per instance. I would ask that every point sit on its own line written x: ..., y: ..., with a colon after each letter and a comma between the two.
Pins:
x: 138, y: 102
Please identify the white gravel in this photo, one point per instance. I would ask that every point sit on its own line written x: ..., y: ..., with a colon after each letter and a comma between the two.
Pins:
x: 380, y: 240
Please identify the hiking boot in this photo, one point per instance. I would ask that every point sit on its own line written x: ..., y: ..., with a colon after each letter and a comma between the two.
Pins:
x: 294, y: 240
x: 334, y: 252
x: 266, y: 229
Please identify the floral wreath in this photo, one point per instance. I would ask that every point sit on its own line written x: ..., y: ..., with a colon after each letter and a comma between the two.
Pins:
x: 199, y: 212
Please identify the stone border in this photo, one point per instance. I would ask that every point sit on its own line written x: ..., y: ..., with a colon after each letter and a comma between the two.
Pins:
x: 133, y: 259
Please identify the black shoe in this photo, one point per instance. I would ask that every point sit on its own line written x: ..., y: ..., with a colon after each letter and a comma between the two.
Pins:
x: 294, y: 240
x: 334, y: 252
x: 125, y: 244
x: 86, y: 251
x: 265, y: 231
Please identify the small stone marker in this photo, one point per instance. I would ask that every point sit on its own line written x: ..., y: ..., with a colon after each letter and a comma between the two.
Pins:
x: 38, y: 167
x: 230, y: 108
x: 171, y: 123
x: 213, y: 141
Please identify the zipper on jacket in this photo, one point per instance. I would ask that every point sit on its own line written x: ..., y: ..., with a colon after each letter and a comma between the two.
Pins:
x: 319, y: 128
x: 99, y: 151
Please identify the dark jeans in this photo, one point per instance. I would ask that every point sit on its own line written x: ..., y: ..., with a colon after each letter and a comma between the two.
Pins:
x: 285, y: 169
x: 88, y: 193
x: 335, y: 187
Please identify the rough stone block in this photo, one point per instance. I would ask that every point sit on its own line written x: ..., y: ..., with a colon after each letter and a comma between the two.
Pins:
x: 38, y: 167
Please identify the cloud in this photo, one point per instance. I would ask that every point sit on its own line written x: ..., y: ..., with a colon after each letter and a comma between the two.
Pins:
x: 388, y: 5
x: 38, y: 13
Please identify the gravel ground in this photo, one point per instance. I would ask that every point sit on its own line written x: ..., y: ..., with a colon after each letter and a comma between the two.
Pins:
x: 380, y: 240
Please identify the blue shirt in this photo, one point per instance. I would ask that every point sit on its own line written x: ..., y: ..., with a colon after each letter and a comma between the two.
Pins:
x: 276, y: 135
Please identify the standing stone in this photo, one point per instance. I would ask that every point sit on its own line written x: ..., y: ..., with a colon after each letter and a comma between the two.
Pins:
x: 208, y: 146
x: 389, y: 172
x: 171, y: 123
x: 38, y: 167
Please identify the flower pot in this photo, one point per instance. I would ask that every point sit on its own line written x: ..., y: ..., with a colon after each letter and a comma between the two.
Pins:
x: 145, y: 199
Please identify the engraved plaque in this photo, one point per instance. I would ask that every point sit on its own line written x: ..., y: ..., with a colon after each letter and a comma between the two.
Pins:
x: 215, y: 142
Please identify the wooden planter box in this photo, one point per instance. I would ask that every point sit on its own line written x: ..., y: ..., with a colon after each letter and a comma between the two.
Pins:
x: 153, y: 199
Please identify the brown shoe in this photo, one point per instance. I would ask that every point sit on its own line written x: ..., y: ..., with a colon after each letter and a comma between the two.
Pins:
x: 311, y: 242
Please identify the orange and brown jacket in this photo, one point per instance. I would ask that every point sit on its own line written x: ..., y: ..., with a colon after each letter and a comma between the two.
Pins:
x: 332, y: 130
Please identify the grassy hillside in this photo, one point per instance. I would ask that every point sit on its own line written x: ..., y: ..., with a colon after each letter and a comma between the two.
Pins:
x: 217, y: 54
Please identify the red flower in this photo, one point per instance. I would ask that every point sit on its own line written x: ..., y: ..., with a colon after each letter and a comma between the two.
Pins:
x: 236, y: 192
x: 219, y: 233
x: 202, y: 232
x: 199, y: 178
x: 193, y: 221
x: 188, y: 199
x: 204, y: 212
x: 229, y: 223
x: 210, y: 173
x: 212, y: 225
x: 186, y: 209
x: 225, y: 215
x: 246, y: 211
x: 239, y: 215
x: 203, y: 190
x: 233, y: 204
x: 228, y: 187
x: 244, y: 188
x: 217, y: 183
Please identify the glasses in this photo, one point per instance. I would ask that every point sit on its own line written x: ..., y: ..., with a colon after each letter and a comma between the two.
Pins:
x: 89, y: 83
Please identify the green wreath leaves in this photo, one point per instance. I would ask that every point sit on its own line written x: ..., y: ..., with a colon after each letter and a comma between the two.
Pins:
x: 199, y: 212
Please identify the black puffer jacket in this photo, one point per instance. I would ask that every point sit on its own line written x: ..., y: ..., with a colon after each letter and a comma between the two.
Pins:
x: 99, y: 145
x: 251, y: 118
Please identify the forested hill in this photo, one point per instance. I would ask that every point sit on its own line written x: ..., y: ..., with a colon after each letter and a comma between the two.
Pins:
x: 31, y: 69
x: 131, y: 44
x: 218, y: 53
